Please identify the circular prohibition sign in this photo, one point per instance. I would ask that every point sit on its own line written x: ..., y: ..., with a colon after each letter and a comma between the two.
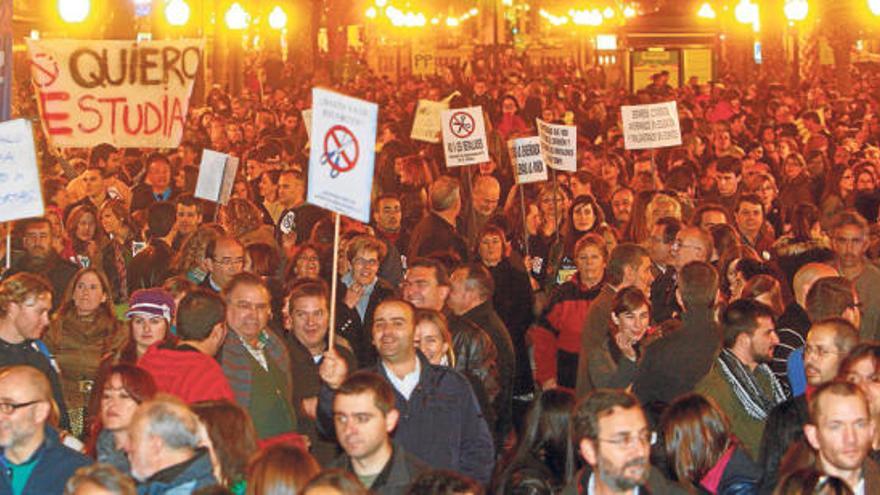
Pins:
x: 44, y: 69
x: 341, y: 149
x: 462, y: 124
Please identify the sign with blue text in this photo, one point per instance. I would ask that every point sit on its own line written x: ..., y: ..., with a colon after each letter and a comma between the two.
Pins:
x: 20, y: 193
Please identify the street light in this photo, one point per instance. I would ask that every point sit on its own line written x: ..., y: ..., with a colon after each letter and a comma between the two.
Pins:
x: 371, y: 12
x: 236, y: 17
x: 177, y: 12
x: 277, y: 18
x: 706, y: 11
x: 74, y: 11
x: 796, y: 10
x: 746, y: 12
x: 874, y: 5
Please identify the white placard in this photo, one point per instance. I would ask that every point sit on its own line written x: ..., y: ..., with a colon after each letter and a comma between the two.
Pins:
x: 558, y: 145
x: 426, y: 125
x: 525, y: 155
x: 342, y: 154
x: 216, y: 176
x: 20, y: 193
x: 307, y: 121
x: 464, y: 136
x: 651, y: 126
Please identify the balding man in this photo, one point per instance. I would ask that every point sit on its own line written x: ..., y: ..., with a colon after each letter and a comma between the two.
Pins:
x: 165, y: 448
x: 34, y: 459
x: 485, y: 197
x: 435, y: 233
x: 691, y: 244
x: 224, y: 259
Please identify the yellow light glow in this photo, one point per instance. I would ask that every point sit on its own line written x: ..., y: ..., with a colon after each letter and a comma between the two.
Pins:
x: 277, y: 18
x: 435, y: 21
x: 585, y: 17
x: 706, y: 11
x: 236, y: 17
x: 874, y: 5
x: 381, y: 3
x: 507, y: 3
x: 629, y: 12
x: 473, y: 11
x: 746, y: 12
x: 452, y: 22
x: 608, y: 12
x: 371, y: 12
x: 796, y: 10
x: 74, y: 11
x: 606, y: 42
x: 177, y: 12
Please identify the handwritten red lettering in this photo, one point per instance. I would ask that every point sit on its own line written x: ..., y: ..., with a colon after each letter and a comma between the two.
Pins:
x: 84, y: 105
x: 50, y: 117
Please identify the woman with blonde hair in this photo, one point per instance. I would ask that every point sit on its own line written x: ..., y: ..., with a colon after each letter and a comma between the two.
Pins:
x: 190, y: 258
x: 433, y: 338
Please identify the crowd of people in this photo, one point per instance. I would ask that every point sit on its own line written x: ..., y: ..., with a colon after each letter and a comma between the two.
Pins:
x: 695, y: 319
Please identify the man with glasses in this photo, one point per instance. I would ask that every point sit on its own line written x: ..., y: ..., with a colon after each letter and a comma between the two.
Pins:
x: 850, y: 240
x: 224, y: 259
x: 363, y: 290
x: 610, y: 432
x: 34, y: 459
x: 691, y: 244
x: 828, y: 343
x: 255, y: 360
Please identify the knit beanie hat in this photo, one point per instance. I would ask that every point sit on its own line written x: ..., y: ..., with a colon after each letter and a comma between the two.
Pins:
x: 151, y: 302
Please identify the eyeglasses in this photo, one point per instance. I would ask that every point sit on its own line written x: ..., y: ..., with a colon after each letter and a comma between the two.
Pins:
x: 630, y: 440
x: 819, y: 352
x: 249, y: 306
x: 10, y: 407
x: 366, y: 262
x: 229, y: 261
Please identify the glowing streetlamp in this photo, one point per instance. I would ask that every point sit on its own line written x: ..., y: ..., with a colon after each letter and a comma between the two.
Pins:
x: 706, y: 11
x: 74, y: 11
x: 629, y: 12
x: 177, y: 12
x: 874, y: 5
x: 796, y: 10
x: 236, y: 17
x: 371, y: 12
x: 277, y: 18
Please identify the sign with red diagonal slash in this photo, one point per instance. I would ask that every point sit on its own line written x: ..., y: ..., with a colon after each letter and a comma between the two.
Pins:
x: 464, y: 137
x: 341, y: 159
x: 341, y: 149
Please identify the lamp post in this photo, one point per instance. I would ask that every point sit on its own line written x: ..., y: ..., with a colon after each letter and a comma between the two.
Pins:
x: 236, y: 21
x: 796, y: 11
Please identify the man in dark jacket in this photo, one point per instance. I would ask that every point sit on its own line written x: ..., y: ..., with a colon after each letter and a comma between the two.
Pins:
x: 34, y: 459
x: 151, y: 266
x: 672, y: 365
x: 442, y: 424
x: 435, y: 232
x: 157, y: 184
x: 22, y: 320
x: 365, y: 416
x: 164, y: 449
x: 39, y: 257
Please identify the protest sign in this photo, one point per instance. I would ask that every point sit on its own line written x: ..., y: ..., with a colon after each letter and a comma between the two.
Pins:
x: 20, y: 193
x: 525, y: 154
x: 307, y: 121
x: 216, y: 176
x: 650, y: 126
x: 558, y: 145
x: 342, y: 153
x: 464, y: 136
x: 126, y: 93
x: 426, y: 126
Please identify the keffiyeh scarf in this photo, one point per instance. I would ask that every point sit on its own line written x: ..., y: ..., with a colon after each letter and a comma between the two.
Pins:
x: 745, y: 385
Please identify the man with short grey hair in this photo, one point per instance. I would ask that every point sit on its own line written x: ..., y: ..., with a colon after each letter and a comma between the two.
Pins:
x: 436, y: 231
x: 164, y: 448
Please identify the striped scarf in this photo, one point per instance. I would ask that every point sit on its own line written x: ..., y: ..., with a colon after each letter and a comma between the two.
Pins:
x: 746, y: 388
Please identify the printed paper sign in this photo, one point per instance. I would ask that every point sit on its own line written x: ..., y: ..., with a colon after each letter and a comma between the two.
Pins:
x: 464, y: 136
x: 525, y: 155
x: 651, y: 126
x: 426, y: 125
x: 558, y: 145
x: 216, y: 176
x: 342, y: 153
x: 126, y: 93
x: 20, y: 193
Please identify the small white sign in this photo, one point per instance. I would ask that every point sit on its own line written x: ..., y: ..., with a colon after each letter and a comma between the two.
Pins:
x: 20, y: 193
x: 558, y: 145
x: 307, y: 121
x: 426, y: 125
x: 342, y: 153
x: 525, y: 155
x: 651, y: 126
x: 464, y: 136
x: 216, y: 176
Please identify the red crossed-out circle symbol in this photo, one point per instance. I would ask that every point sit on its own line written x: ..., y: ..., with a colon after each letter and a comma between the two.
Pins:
x: 341, y: 149
x: 462, y: 124
x: 44, y: 69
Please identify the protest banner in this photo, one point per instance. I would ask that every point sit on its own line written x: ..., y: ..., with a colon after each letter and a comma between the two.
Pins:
x: 126, y: 93
x: 426, y: 125
x: 650, y: 126
x: 558, y: 145
x: 525, y: 155
x: 464, y: 136
x: 216, y: 176
x: 20, y: 193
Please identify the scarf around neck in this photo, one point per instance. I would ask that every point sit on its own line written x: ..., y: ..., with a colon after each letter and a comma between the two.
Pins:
x: 746, y: 388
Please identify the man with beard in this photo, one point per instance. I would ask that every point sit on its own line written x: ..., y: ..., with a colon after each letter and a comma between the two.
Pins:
x: 41, y: 259
x: 828, y: 343
x: 740, y: 380
x: 841, y: 431
x: 611, y: 433
x: 850, y: 240
x: 621, y: 208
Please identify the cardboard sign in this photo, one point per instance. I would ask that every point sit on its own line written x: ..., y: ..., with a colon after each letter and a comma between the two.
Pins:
x: 126, y: 93
x: 216, y: 176
x: 650, y: 126
x: 426, y: 125
x: 525, y: 155
x: 464, y: 136
x: 342, y: 154
x: 20, y: 193
x: 558, y: 145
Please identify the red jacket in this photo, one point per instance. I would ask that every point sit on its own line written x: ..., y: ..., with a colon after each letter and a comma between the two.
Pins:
x: 186, y: 373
